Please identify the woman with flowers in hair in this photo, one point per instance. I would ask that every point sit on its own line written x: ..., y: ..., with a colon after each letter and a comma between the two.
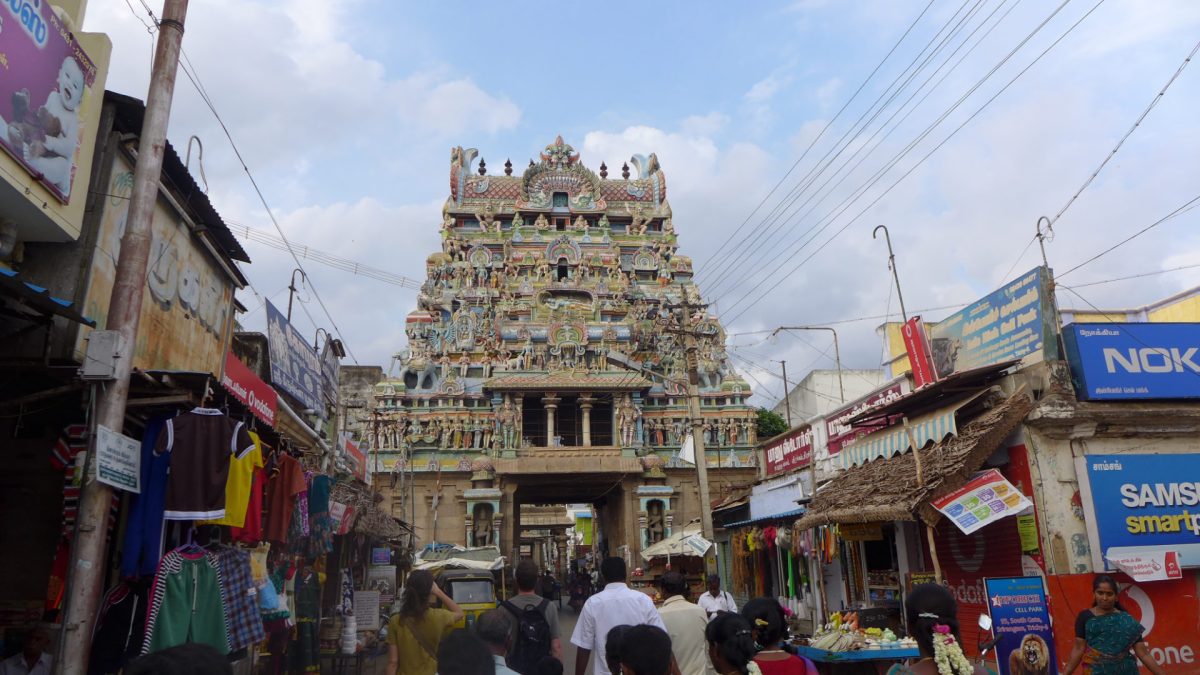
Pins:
x: 769, y: 625
x: 932, y: 617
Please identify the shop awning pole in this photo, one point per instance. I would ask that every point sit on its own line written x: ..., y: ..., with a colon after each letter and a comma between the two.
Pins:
x: 916, y: 451
x: 937, y: 566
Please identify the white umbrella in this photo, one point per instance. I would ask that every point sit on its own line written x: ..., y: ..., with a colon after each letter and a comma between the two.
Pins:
x: 686, y: 542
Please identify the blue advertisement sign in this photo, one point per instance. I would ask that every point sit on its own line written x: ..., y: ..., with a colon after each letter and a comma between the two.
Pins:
x: 294, y: 365
x: 1123, y: 361
x: 1021, y: 619
x: 1147, y: 502
x: 1010, y: 323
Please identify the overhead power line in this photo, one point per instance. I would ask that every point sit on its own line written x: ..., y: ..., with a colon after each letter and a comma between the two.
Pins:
x: 1187, y: 206
x: 309, y: 253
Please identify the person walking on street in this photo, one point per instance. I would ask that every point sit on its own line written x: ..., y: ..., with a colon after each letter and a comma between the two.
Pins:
x: 685, y: 624
x: 1107, y: 638
x: 463, y: 652
x: 416, y: 631
x: 646, y: 650
x: 932, y: 618
x: 716, y: 600
x: 535, y: 632
x: 731, y: 645
x: 617, y: 604
x: 495, y: 627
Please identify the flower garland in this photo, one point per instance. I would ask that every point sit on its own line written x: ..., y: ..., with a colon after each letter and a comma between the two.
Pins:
x: 947, y: 653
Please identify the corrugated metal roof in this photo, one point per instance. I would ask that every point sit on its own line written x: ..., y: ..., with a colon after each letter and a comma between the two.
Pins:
x: 762, y: 519
x: 39, y: 299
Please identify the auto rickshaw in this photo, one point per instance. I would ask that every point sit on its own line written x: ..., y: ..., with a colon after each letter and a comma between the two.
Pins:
x: 473, y: 590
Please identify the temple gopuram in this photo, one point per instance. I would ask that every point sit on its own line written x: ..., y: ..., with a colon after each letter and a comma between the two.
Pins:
x: 545, y: 364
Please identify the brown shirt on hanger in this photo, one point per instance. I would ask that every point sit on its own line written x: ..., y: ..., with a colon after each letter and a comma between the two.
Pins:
x: 201, y: 442
x: 285, y: 484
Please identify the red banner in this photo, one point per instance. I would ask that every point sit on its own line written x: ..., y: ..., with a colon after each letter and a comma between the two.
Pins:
x: 1169, y: 611
x: 791, y: 452
x: 358, y: 460
x: 258, y: 396
x: 920, y: 360
x: 837, y: 423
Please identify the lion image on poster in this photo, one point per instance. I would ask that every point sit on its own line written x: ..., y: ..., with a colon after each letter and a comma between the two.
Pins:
x: 1031, y: 658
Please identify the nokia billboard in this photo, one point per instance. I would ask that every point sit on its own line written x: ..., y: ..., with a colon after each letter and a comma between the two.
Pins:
x: 1124, y: 361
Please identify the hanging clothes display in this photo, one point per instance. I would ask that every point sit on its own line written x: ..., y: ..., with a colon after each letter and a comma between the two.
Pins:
x: 320, y: 531
x: 144, y: 526
x: 117, y: 636
x: 240, y: 596
x: 239, y: 484
x: 306, y: 650
x: 283, y: 488
x: 201, y: 442
x: 251, y: 531
x: 186, y: 603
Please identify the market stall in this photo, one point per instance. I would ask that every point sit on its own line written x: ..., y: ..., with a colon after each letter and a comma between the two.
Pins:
x: 682, y: 552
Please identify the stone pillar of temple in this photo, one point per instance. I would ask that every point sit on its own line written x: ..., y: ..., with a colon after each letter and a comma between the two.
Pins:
x: 585, y: 405
x: 551, y: 404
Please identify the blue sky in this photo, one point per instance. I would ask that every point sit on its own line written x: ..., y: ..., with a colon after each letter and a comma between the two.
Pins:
x: 346, y: 113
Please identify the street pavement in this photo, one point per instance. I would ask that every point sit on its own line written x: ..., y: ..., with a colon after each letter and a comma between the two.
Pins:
x: 566, y: 625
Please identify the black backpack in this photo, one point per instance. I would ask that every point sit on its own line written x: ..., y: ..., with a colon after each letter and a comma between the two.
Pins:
x: 533, y: 636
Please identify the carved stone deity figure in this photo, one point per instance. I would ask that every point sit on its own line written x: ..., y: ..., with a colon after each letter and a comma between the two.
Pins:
x: 603, y: 222
x: 456, y: 434
x: 542, y: 223
x: 659, y: 433
x: 668, y: 227
x: 627, y: 419
x: 447, y: 222
x: 641, y: 221
x: 581, y: 224
x: 506, y: 417
x: 656, y: 526
x: 517, y: 220
x: 487, y: 219
x: 481, y: 526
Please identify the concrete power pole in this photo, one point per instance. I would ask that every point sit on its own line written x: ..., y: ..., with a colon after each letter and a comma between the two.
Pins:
x: 85, y: 578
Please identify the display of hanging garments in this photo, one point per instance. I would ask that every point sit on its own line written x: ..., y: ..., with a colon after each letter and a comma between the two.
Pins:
x: 239, y: 484
x: 240, y: 595
x: 117, y: 637
x: 252, y: 531
x: 186, y: 602
x: 69, y: 455
x: 305, y: 652
x: 345, y: 605
x: 144, y: 527
x: 201, y: 442
x: 320, y: 531
x: 286, y: 483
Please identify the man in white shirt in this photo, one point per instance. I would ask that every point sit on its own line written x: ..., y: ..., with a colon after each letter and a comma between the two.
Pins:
x: 616, y: 605
x: 716, y: 600
x: 685, y: 624
x: 33, y: 659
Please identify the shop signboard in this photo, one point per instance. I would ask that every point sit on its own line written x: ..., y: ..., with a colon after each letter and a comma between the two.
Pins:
x: 920, y: 360
x: 1148, y: 565
x: 366, y: 610
x: 118, y: 460
x: 46, y: 89
x: 258, y: 396
x: 837, y: 423
x: 358, y: 460
x: 294, y: 364
x: 1021, y: 620
x: 1142, y: 503
x: 1167, y: 610
x: 861, y: 531
x: 330, y: 368
x: 1013, y: 322
x: 793, y: 451
x: 187, y: 304
x: 1131, y: 361
x: 986, y: 498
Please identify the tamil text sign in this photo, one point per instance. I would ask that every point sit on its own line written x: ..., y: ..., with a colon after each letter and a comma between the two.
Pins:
x: 45, y: 89
x: 837, y: 423
x: 118, y: 460
x: 294, y: 365
x: 1142, y: 501
x: 1021, y: 620
x: 249, y: 388
x: 793, y: 451
x: 916, y: 343
x: 1010, y: 323
x: 187, y: 305
x: 1115, y: 361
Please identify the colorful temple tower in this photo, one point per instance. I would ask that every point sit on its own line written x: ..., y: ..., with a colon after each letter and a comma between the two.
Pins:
x: 515, y: 386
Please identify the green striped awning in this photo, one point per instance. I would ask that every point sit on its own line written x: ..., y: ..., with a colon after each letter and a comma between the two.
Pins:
x: 894, y: 440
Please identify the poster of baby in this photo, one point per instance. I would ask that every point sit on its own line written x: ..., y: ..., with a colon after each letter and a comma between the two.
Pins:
x: 45, y: 83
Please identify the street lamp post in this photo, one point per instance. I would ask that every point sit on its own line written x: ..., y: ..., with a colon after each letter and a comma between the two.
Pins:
x: 837, y: 354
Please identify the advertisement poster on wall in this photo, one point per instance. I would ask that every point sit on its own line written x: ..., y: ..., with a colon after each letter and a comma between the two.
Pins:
x: 1131, y: 361
x: 294, y: 365
x: 187, y: 308
x: 1145, y: 503
x: 986, y: 498
x: 1021, y: 620
x: 1010, y: 323
x: 1167, y: 610
x: 46, y: 88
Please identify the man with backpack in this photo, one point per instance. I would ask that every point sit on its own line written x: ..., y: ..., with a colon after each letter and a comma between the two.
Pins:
x: 535, y: 621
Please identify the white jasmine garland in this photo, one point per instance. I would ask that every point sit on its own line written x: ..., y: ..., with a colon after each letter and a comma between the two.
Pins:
x: 948, y: 655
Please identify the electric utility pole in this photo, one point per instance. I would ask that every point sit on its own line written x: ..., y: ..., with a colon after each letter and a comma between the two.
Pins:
x: 695, y: 412
x: 85, y: 577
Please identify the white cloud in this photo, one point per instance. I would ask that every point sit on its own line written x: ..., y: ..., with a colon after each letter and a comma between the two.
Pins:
x: 828, y: 93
